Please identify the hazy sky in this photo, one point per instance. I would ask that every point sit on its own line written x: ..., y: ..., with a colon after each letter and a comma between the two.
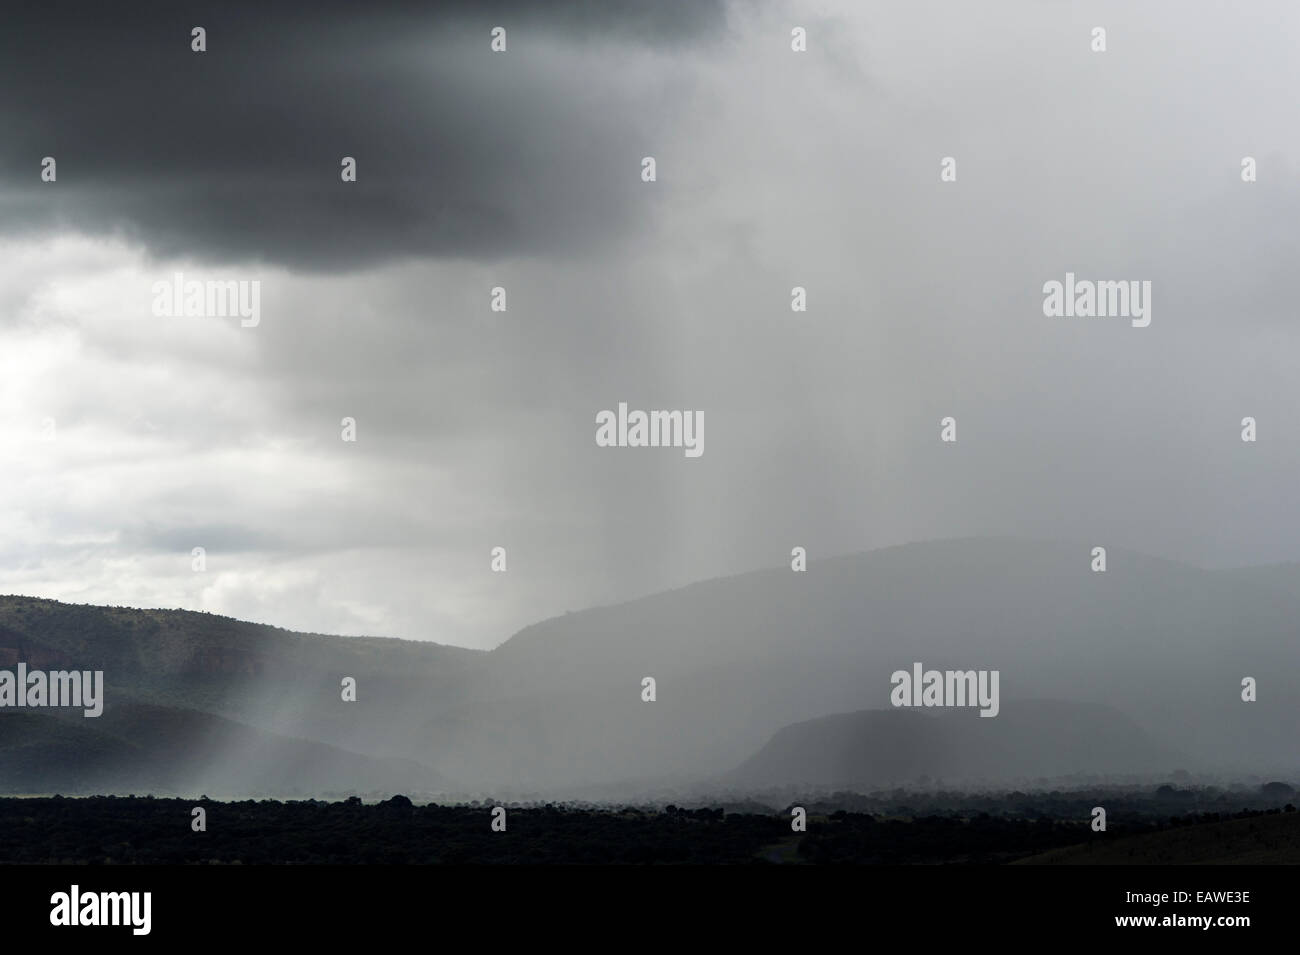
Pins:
x: 522, y: 169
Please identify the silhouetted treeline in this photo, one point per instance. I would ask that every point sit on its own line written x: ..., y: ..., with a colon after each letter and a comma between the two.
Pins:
x: 126, y: 830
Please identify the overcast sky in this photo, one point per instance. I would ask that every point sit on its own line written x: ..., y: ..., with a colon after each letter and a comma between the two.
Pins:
x: 522, y: 169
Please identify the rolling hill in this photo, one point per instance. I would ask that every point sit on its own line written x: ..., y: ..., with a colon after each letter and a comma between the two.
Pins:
x: 877, y: 749
x: 558, y: 708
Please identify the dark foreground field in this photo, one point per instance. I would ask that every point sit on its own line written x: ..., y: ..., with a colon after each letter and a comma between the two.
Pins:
x: 1051, y: 829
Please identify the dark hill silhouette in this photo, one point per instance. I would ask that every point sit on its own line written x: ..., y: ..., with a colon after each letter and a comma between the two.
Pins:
x: 876, y: 749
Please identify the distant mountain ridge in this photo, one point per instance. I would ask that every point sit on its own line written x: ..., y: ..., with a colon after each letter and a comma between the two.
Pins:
x: 735, y: 660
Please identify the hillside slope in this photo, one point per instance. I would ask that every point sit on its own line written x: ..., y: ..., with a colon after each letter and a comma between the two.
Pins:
x: 1259, y: 840
x: 137, y: 748
x: 875, y: 749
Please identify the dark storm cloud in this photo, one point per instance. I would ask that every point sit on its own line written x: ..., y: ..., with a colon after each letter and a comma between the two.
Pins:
x: 234, y: 154
x: 776, y: 169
